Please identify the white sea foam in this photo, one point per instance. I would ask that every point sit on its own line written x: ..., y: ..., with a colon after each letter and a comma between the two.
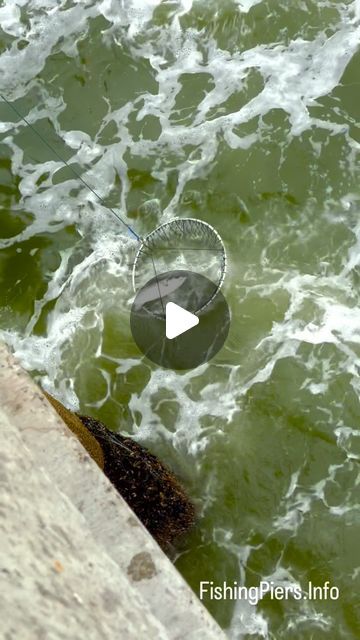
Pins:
x: 293, y: 78
x: 246, y: 5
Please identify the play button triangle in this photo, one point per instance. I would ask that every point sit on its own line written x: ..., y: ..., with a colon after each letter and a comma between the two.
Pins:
x: 161, y: 312
x: 178, y: 320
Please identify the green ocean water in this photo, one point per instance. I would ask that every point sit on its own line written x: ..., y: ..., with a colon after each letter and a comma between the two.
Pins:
x: 246, y: 115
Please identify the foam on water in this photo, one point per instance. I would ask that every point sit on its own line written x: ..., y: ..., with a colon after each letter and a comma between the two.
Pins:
x: 245, y: 5
x: 92, y: 278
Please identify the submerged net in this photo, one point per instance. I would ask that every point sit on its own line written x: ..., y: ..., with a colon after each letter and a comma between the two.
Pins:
x: 184, y: 244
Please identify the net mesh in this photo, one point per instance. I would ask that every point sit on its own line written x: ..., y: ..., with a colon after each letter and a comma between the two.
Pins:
x: 181, y: 244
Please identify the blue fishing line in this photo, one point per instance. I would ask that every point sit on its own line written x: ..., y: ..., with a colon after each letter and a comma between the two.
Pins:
x: 147, y: 243
x: 78, y: 176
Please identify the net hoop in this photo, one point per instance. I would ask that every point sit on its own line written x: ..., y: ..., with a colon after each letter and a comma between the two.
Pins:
x: 179, y: 224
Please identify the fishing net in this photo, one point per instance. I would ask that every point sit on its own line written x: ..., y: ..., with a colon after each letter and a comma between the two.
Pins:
x: 183, y: 244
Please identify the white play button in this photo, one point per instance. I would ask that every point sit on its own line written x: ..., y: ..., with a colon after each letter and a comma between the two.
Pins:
x: 158, y: 316
x: 178, y: 320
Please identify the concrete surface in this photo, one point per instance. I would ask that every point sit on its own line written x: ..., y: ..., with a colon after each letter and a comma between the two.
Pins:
x: 57, y: 582
x: 76, y: 561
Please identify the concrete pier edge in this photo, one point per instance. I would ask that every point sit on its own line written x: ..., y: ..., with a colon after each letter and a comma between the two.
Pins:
x: 44, y: 456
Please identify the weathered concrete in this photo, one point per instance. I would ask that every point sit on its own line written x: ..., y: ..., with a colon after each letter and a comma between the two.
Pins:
x: 108, y: 523
x: 56, y: 581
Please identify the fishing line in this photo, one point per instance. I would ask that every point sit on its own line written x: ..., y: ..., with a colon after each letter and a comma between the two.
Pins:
x: 66, y: 163
x: 168, y: 243
x: 79, y: 177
